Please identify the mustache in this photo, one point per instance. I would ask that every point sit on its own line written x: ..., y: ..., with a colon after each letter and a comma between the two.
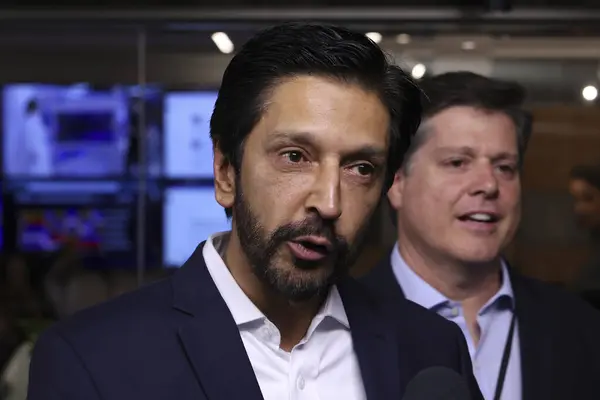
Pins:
x: 308, y: 227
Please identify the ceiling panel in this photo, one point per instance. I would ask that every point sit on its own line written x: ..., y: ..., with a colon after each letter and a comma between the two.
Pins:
x: 27, y: 4
x: 425, y: 17
x: 549, y: 81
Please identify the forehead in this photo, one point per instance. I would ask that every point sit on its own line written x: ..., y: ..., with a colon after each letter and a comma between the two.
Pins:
x: 334, y: 114
x: 471, y: 127
x: 581, y: 186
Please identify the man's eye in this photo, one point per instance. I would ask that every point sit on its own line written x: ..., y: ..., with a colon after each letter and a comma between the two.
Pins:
x: 294, y: 156
x: 457, y: 163
x: 364, y: 169
x: 508, y: 169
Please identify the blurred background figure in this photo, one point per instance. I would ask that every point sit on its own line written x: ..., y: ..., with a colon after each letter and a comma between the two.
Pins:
x: 36, y: 137
x: 584, y: 187
x: 17, y: 291
x: 15, y: 349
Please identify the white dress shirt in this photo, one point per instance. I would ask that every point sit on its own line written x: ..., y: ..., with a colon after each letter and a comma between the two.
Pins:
x: 322, y: 366
x: 494, y: 322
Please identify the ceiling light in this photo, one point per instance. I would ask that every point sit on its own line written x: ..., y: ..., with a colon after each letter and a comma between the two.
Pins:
x: 222, y: 41
x: 589, y: 93
x: 468, y: 45
x: 403, y: 38
x: 418, y: 71
x: 374, y: 36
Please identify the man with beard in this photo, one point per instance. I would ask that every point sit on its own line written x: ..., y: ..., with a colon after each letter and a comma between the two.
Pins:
x: 309, y: 126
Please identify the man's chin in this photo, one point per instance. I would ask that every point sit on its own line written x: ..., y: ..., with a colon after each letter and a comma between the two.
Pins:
x: 302, y: 292
x: 302, y: 267
x: 301, y: 285
x: 475, y: 251
x: 309, y: 273
x: 480, y: 258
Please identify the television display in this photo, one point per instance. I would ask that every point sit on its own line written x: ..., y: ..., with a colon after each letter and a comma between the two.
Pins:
x: 81, y: 191
x: 90, y: 229
x: 56, y: 131
x: 188, y: 148
x: 191, y: 215
x: 99, y: 218
x: 70, y: 191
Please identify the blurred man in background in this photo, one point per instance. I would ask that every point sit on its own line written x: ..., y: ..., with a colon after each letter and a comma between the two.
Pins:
x: 458, y: 204
x: 584, y: 186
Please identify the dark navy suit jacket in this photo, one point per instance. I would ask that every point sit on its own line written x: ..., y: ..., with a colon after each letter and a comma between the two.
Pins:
x: 176, y: 339
x: 559, y: 335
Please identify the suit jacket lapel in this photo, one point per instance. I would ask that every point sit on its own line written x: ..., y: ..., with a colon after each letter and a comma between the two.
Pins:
x: 536, y: 344
x: 210, y: 336
x: 374, y: 343
x: 382, y: 278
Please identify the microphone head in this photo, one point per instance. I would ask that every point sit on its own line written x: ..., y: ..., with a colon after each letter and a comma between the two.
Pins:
x: 437, y: 383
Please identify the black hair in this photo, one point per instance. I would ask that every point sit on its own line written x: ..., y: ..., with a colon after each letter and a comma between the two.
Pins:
x: 31, y: 106
x: 463, y: 88
x: 293, y: 49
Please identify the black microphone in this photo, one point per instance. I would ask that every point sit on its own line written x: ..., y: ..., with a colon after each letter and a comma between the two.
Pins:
x: 437, y: 383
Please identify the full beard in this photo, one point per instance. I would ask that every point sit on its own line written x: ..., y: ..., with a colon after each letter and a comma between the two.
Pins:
x: 302, y: 280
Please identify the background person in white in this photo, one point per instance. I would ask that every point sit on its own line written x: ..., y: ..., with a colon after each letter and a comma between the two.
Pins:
x: 37, y: 141
x: 458, y: 205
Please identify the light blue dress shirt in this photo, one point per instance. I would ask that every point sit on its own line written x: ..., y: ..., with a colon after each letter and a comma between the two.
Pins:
x: 494, y: 322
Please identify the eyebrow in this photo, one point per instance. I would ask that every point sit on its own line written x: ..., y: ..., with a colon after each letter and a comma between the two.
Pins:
x: 367, y: 151
x: 466, y: 150
x: 300, y: 138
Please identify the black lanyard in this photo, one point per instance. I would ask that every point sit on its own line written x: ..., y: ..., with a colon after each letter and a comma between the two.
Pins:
x: 505, y: 358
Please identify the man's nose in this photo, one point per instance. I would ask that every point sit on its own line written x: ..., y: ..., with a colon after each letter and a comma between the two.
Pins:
x: 485, y: 181
x: 325, y: 196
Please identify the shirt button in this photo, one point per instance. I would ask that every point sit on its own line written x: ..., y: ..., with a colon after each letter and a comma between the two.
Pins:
x: 455, y: 312
x: 301, y: 383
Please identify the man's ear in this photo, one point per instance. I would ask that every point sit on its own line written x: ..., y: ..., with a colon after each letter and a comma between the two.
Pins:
x: 396, y: 192
x: 224, y: 179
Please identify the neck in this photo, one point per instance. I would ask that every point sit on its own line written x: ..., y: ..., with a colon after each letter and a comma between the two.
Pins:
x: 292, y: 319
x: 470, y: 284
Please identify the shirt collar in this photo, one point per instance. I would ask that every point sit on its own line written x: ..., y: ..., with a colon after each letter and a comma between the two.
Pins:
x: 241, y: 307
x: 504, y: 293
x: 420, y: 292
x: 334, y: 308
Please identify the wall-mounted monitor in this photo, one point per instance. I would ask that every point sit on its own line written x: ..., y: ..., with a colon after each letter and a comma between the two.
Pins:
x: 58, y: 131
x: 92, y: 230
x: 191, y: 215
x: 187, y: 145
x: 99, y: 218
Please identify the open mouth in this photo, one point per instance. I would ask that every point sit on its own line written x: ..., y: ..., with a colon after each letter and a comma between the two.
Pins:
x: 310, y: 248
x: 480, y: 217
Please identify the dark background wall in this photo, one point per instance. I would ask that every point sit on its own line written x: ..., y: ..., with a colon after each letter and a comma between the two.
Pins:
x: 566, y: 132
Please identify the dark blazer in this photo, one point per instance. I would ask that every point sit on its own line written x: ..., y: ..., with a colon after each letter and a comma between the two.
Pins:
x: 559, y: 336
x: 176, y: 339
